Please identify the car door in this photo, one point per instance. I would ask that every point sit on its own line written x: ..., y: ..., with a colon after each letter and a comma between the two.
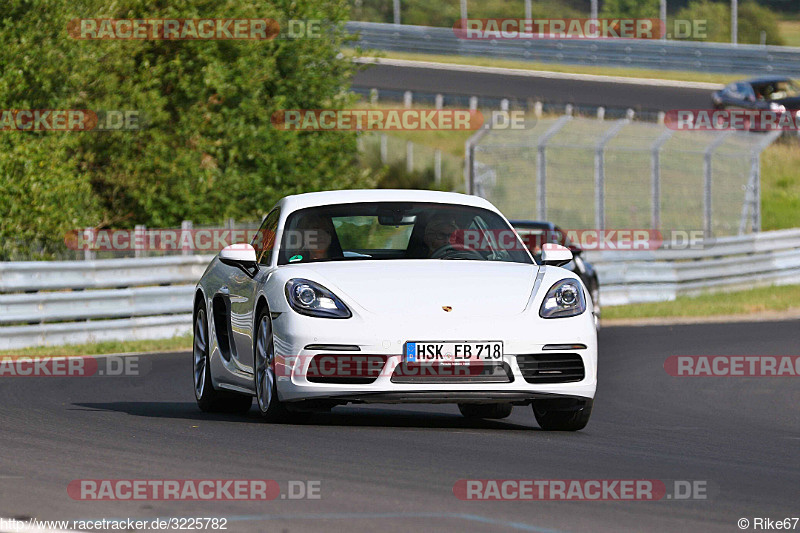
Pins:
x: 243, y: 286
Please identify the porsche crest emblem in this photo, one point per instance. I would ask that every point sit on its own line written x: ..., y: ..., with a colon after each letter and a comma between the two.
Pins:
x: 446, y: 308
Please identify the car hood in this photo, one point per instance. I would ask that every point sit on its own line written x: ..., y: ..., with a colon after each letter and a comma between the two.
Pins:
x: 792, y: 102
x: 424, y: 287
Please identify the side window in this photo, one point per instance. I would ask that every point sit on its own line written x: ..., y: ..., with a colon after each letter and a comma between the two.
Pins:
x: 746, y: 91
x: 264, y: 240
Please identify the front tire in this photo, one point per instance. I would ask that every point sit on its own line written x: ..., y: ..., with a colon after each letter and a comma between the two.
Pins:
x: 208, y: 398
x: 563, y: 414
x: 493, y: 411
x: 270, y: 407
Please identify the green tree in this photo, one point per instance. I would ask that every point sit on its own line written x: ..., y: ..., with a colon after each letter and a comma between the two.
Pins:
x: 752, y: 20
x: 208, y: 150
x: 630, y: 9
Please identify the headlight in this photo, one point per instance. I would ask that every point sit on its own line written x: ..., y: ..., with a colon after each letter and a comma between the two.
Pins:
x: 564, y: 299
x: 312, y: 299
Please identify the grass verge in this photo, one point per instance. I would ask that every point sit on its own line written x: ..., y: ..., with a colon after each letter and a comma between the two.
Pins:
x: 708, y: 77
x: 100, y: 348
x: 746, y: 302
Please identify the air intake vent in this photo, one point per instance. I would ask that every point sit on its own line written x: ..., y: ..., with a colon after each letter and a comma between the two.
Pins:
x: 551, y: 367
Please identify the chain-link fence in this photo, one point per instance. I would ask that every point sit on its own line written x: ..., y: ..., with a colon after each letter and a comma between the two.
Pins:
x: 614, y: 174
x: 380, y: 149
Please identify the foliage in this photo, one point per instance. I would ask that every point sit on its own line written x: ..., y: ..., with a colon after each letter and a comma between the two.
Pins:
x: 208, y: 150
x: 752, y: 20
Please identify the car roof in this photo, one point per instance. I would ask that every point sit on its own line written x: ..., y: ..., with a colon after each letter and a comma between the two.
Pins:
x: 313, y: 199
x: 764, y: 80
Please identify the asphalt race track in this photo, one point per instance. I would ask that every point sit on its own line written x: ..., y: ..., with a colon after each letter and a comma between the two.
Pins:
x: 522, y: 88
x: 392, y: 468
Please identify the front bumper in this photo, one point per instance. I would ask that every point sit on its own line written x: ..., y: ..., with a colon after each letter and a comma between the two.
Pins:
x: 299, y: 338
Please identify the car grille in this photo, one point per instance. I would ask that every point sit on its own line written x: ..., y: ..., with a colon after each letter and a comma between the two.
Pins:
x: 551, y: 367
x: 345, y: 369
x: 434, y: 373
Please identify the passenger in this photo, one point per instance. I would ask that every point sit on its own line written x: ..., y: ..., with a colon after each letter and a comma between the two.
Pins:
x: 439, y: 232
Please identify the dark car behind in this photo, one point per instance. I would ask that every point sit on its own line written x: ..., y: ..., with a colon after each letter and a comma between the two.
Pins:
x: 534, y: 234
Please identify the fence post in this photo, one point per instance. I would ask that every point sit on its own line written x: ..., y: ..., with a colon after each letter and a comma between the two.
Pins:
x: 655, y: 177
x: 707, y: 171
x: 384, y: 148
x: 396, y: 10
x: 88, y: 238
x: 186, y: 226
x: 409, y: 157
x: 469, y: 155
x: 139, y: 238
x: 437, y: 167
x: 600, y: 173
x: 541, y: 165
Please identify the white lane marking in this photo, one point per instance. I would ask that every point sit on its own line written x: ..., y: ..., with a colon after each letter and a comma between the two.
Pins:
x: 538, y: 73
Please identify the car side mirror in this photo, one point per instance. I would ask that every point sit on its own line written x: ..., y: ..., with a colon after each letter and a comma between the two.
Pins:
x: 555, y: 255
x: 239, y: 255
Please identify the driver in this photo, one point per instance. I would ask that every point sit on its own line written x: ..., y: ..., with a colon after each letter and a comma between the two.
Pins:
x: 438, y: 232
x: 315, y: 235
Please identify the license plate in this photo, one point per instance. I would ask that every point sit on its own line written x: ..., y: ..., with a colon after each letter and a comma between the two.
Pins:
x: 453, y: 352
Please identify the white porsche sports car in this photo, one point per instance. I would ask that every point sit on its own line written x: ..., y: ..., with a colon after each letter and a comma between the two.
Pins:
x: 391, y: 296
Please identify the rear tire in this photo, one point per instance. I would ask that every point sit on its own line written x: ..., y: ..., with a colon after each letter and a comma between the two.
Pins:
x: 208, y: 398
x: 494, y: 411
x: 563, y: 414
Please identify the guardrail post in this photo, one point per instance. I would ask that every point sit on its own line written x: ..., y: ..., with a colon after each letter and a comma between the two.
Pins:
x: 373, y: 96
x: 473, y: 103
x: 537, y: 109
x: 600, y: 173
x: 601, y: 113
x: 655, y: 178
x: 139, y: 240
x: 396, y: 10
x: 439, y: 101
x: 707, y: 174
x: 186, y: 227
x: 504, y: 104
x: 408, y: 99
x: 384, y: 148
x: 409, y: 157
x: 541, y: 165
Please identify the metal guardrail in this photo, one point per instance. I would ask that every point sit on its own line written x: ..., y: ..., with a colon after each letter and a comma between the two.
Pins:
x: 74, y: 302
x: 637, y: 53
x: 743, y: 262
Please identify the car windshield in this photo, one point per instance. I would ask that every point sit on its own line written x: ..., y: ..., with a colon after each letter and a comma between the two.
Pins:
x: 391, y: 230
x: 778, y: 90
